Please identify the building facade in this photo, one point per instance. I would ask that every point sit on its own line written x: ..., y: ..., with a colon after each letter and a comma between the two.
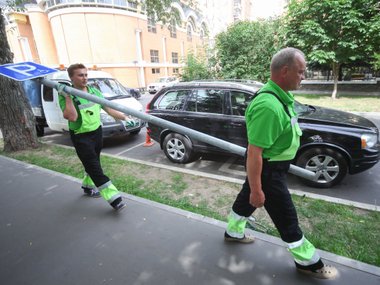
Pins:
x: 222, y: 13
x: 115, y: 36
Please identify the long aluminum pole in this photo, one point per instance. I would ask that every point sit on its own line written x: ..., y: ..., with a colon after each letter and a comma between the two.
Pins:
x: 233, y: 148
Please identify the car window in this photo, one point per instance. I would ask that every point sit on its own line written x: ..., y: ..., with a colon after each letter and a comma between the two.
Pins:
x: 206, y: 101
x: 110, y: 88
x: 172, y: 100
x: 239, y: 102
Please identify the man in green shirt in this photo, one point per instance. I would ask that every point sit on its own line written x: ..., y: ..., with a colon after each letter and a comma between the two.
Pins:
x: 273, y: 139
x: 86, y: 135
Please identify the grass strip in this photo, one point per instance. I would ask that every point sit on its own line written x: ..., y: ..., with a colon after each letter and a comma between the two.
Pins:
x: 343, y: 102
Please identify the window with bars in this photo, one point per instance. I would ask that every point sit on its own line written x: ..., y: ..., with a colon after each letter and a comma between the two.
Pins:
x: 154, y: 56
x: 173, y: 30
x: 174, y: 57
x: 189, y: 33
x: 155, y: 70
x: 152, y: 25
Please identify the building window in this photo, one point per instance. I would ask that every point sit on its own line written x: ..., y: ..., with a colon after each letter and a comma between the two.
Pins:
x: 132, y: 4
x: 154, y: 56
x: 50, y: 3
x: 155, y: 70
x: 152, y: 25
x: 175, y: 70
x: 202, y: 36
x: 189, y: 33
x: 173, y: 30
x: 174, y: 57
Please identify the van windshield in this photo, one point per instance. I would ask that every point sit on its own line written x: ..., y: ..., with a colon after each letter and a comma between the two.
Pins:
x: 110, y: 88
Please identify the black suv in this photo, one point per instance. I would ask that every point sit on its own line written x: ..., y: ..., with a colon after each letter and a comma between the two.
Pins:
x: 333, y: 142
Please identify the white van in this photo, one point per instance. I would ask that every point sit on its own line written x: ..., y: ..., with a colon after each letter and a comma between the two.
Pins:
x: 45, y: 104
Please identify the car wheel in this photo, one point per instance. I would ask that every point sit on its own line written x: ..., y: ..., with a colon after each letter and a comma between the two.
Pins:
x: 178, y: 148
x: 40, y: 130
x: 329, y: 165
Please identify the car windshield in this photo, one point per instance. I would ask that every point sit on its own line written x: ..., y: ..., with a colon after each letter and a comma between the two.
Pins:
x: 110, y: 88
x: 303, y: 109
x: 163, y: 80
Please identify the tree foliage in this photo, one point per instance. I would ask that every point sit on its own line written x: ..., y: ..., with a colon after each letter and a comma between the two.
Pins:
x: 162, y: 10
x: 376, y: 62
x: 195, y: 68
x: 244, y: 51
x: 334, y: 32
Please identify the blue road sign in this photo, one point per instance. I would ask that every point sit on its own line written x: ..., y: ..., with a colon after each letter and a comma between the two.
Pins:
x: 25, y: 70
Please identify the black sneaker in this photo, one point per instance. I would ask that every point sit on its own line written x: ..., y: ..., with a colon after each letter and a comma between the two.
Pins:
x: 90, y: 192
x: 118, y: 204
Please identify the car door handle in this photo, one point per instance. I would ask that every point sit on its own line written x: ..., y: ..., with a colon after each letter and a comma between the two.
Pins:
x: 236, y: 124
x: 188, y: 119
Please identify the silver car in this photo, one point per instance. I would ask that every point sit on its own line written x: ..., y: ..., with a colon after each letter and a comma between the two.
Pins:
x: 161, y: 83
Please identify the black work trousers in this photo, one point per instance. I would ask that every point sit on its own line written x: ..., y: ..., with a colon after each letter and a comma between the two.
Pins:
x: 278, y: 202
x: 88, y: 147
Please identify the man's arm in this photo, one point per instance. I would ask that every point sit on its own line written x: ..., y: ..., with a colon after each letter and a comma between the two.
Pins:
x: 116, y: 114
x: 254, y: 168
x: 70, y: 113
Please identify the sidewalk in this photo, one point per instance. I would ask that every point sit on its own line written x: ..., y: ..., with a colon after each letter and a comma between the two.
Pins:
x: 52, y: 234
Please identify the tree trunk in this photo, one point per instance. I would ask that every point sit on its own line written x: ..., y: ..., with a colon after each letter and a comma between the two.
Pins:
x: 335, y: 67
x: 17, y: 121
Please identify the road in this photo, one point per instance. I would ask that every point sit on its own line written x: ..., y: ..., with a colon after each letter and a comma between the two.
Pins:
x: 362, y: 188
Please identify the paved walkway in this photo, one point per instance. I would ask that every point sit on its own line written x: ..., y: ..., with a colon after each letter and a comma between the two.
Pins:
x: 51, y: 234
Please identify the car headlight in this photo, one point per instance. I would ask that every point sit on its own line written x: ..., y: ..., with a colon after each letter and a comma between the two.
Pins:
x: 368, y: 140
x: 105, y: 118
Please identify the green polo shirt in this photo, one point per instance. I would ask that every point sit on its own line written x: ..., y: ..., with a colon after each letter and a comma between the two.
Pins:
x: 269, y: 126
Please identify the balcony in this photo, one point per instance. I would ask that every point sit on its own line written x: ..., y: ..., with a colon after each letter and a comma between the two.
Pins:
x: 51, y: 5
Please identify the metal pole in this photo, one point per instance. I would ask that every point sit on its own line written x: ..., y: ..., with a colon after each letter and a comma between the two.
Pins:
x: 233, y: 148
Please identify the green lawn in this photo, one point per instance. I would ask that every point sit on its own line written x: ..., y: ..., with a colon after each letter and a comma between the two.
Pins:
x: 345, y: 103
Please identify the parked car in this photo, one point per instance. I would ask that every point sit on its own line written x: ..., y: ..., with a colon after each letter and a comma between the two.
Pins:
x: 134, y: 92
x: 333, y: 142
x: 161, y: 83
